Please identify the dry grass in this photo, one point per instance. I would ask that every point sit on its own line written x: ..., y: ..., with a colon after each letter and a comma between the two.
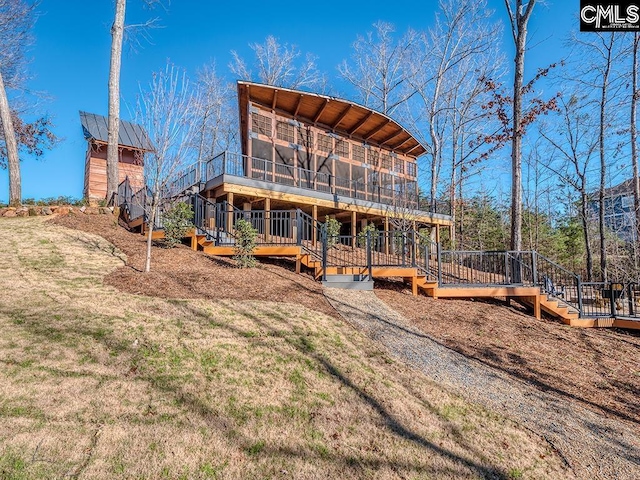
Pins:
x: 98, y: 383
x: 596, y: 368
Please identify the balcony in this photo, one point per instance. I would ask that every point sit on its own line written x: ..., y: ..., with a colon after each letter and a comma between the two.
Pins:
x: 251, y: 171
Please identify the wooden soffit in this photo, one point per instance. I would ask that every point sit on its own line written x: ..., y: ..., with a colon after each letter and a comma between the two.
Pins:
x: 343, y: 117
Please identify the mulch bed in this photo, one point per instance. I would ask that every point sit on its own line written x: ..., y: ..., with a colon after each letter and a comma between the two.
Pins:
x: 181, y: 273
x: 597, y: 368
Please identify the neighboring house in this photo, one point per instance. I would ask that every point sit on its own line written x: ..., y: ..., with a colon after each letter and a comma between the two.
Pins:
x: 326, y: 156
x: 619, y: 210
x: 133, y: 143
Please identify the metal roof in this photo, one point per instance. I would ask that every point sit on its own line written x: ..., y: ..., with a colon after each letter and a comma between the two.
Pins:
x: 342, y: 116
x: 95, y: 127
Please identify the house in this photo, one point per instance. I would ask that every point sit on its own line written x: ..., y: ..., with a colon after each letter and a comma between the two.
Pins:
x: 329, y: 157
x: 619, y: 210
x: 133, y: 143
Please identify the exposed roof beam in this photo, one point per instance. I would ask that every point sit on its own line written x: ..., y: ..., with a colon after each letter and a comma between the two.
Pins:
x: 402, y: 144
x: 341, y: 117
x: 395, y: 134
x: 295, y: 114
x: 275, y: 100
x: 377, y: 129
x: 321, y: 111
x: 408, y: 152
x: 359, y: 125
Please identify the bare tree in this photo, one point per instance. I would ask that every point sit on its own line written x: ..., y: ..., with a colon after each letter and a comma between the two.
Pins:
x: 379, y: 69
x: 462, y: 49
x: 117, y: 35
x: 217, y: 117
x: 635, y: 93
x: 598, y: 70
x: 573, y: 147
x: 16, y: 20
x: 278, y: 65
x: 168, y: 111
x: 519, y: 16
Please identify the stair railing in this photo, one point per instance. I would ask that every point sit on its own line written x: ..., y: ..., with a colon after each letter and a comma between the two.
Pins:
x: 558, y: 282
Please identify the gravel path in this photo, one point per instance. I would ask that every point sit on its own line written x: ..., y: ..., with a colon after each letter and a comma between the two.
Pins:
x: 594, y: 446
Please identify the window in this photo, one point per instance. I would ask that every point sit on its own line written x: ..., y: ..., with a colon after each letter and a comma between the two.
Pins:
x: 374, y: 157
x: 357, y: 152
x: 398, y: 165
x: 325, y: 143
x: 342, y: 148
x: 386, y: 161
x: 411, y: 169
x: 305, y: 137
x: 627, y: 201
x: 261, y: 124
x: 285, y: 132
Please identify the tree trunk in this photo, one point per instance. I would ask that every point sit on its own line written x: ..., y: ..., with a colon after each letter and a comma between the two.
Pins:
x: 584, y: 214
x: 603, y: 163
x: 13, y: 160
x: 634, y: 142
x: 117, y: 31
x: 152, y: 221
x: 516, y: 141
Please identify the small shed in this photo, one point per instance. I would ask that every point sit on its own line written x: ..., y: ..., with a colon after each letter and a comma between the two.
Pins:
x: 133, y: 144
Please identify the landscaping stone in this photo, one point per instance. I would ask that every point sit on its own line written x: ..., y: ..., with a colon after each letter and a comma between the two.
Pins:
x: 47, y: 211
x: 9, y: 213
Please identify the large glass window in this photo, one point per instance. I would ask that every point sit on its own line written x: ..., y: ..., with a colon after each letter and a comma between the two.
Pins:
x: 342, y: 148
x: 305, y: 137
x: 386, y: 161
x: 261, y: 124
x: 285, y: 132
x: 411, y: 169
x: 398, y: 165
x: 357, y: 153
x: 325, y: 143
x: 373, y: 157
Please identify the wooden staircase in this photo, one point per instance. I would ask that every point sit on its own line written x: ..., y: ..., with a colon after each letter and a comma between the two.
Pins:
x: 529, y: 296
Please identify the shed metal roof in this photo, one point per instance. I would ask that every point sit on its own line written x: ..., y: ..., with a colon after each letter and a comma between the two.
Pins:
x: 342, y: 116
x: 95, y: 127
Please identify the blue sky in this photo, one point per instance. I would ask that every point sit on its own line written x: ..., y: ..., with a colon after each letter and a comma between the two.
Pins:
x: 70, y: 58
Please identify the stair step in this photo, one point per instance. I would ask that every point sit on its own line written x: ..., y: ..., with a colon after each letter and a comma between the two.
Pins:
x: 348, y: 282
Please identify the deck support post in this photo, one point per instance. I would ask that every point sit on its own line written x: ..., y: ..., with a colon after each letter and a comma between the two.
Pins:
x: 354, y: 220
x: 267, y: 220
x: 298, y: 264
x: 386, y: 235
x: 314, y: 230
x: 536, y: 306
x: 437, y: 233
x: 194, y: 241
x: 414, y: 286
x: 230, y: 212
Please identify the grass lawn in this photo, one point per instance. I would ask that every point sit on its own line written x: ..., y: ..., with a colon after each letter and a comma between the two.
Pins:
x: 99, y: 383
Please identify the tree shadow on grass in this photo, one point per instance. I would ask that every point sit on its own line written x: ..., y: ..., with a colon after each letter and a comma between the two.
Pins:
x: 64, y: 334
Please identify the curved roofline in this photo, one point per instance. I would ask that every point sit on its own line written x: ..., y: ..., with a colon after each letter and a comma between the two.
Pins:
x: 388, y: 121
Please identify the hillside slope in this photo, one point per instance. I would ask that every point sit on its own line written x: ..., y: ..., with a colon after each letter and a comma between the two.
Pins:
x: 100, y: 383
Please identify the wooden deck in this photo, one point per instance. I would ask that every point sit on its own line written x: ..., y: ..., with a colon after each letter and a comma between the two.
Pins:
x: 529, y: 296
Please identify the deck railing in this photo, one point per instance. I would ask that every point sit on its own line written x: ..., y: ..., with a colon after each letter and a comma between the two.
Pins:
x: 269, y: 171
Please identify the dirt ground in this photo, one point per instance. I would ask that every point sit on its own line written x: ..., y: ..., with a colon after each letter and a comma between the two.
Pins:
x: 597, y: 368
x: 182, y: 273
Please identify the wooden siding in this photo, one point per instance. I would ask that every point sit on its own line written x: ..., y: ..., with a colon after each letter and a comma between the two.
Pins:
x: 96, y: 177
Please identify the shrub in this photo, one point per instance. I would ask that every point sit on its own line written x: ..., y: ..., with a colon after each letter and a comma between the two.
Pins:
x: 362, y: 236
x: 332, y: 229
x: 177, y: 222
x: 246, y: 242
